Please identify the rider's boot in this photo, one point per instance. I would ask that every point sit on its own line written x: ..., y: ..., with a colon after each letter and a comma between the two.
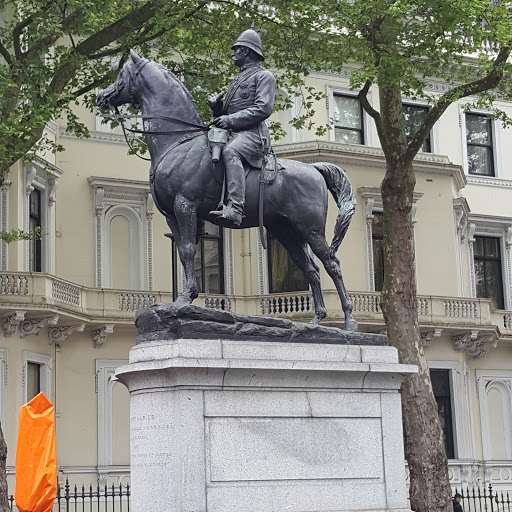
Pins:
x: 232, y: 214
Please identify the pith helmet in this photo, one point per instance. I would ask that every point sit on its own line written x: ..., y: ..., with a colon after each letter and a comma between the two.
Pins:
x: 250, y: 39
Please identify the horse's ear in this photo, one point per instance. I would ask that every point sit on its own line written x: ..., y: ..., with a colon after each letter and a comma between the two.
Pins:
x: 135, y: 57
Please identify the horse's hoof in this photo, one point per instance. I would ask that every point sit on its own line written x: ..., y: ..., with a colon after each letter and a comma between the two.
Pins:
x: 350, y: 325
x: 182, y: 301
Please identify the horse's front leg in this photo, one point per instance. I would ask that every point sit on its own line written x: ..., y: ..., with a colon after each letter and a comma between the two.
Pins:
x: 186, y: 218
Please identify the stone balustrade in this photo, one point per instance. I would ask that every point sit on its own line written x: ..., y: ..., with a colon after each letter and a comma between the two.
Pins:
x: 38, y: 291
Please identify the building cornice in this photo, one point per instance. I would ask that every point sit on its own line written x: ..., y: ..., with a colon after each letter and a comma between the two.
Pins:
x: 367, y: 156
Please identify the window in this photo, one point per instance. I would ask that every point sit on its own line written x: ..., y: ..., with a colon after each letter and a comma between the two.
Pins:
x: 348, y: 120
x: 442, y: 393
x: 209, y: 260
x: 488, y: 274
x: 124, y: 233
x: 35, y: 225
x: 36, y: 375
x: 479, y: 138
x: 378, y: 251
x: 284, y: 275
x: 414, y: 115
x: 33, y: 380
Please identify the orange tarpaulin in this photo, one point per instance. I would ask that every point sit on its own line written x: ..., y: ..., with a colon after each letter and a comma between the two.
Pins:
x: 36, y: 459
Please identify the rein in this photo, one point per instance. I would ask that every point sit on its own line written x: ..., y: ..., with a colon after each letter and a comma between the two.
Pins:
x: 122, y: 117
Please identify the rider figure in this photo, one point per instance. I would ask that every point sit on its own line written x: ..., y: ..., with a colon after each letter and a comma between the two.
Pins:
x: 248, y: 102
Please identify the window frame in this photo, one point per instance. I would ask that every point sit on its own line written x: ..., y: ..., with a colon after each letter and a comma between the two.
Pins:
x: 45, y: 364
x: 496, y: 144
x: 200, y: 246
x: 486, y: 258
x: 498, y: 227
x: 484, y: 378
x: 489, y: 145
x: 43, y: 176
x: 430, y: 138
x: 332, y: 91
x: 456, y: 393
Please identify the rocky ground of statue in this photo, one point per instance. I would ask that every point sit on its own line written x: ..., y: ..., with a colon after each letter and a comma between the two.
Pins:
x: 173, y: 321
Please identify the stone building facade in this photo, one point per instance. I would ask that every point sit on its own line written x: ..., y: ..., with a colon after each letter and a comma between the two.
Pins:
x: 68, y: 301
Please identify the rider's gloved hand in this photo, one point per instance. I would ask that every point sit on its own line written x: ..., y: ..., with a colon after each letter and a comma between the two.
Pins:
x: 222, y: 122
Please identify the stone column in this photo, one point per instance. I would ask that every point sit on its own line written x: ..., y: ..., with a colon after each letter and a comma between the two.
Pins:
x: 265, y: 426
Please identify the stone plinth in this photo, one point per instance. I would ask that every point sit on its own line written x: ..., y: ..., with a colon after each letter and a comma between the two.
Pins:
x: 252, y: 426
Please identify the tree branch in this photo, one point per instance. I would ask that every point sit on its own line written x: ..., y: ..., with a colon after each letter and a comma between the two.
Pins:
x: 363, y: 98
x: 5, y: 54
x: 490, y: 81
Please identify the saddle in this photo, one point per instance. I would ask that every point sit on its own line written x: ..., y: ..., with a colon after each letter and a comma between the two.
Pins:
x: 218, y: 138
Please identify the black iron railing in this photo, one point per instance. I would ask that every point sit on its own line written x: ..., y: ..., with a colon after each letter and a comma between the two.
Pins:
x: 482, y: 499
x: 89, y: 499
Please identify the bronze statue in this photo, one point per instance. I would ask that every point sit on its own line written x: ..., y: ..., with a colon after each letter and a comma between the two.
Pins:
x: 248, y: 102
x: 186, y: 188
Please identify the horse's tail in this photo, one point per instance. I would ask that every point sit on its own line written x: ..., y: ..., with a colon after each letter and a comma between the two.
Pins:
x: 340, y: 188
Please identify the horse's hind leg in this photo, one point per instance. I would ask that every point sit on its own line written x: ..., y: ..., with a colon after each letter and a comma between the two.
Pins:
x: 320, y: 247
x: 298, y: 250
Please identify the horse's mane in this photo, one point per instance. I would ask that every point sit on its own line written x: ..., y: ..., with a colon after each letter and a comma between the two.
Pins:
x: 172, y: 79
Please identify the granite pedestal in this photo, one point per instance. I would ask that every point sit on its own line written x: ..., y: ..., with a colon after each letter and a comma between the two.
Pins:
x: 231, y: 425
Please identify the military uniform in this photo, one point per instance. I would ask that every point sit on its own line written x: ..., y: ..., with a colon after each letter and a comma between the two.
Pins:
x: 248, y: 102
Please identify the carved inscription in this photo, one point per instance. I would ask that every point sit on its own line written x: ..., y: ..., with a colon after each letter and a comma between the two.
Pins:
x: 148, y: 435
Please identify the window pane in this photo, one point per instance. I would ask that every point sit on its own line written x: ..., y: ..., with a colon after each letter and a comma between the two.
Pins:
x: 492, y: 248
x: 493, y: 282
x: 488, y: 273
x: 478, y: 129
x: 442, y: 393
x: 33, y: 380
x: 347, y: 136
x: 347, y: 112
x: 414, y: 116
x: 378, y: 251
x: 478, y: 246
x: 480, y: 160
x: 211, y: 266
x: 209, y: 261
x: 285, y: 276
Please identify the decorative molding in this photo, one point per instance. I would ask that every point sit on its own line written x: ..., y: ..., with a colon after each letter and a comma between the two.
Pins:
x: 149, y: 239
x: 132, y: 200
x: 426, y: 337
x: 489, y: 182
x: 105, y: 382
x: 461, y: 211
x: 4, y: 220
x: 473, y: 344
x: 95, y: 136
x: 99, y: 336
x: 32, y: 326
x: 12, y: 321
x: 3, y: 385
x: 62, y: 332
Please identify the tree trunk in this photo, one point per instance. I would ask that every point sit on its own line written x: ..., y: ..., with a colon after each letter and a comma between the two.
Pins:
x: 4, y: 502
x: 425, y: 452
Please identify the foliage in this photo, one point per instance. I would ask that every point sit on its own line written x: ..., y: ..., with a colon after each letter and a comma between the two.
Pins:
x: 15, y: 235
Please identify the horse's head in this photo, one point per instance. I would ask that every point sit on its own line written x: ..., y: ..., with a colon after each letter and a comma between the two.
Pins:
x: 122, y: 91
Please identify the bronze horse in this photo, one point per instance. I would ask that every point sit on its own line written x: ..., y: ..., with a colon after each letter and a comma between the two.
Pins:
x: 185, y: 187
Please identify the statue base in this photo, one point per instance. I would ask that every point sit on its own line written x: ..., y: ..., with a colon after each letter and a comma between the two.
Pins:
x: 224, y: 425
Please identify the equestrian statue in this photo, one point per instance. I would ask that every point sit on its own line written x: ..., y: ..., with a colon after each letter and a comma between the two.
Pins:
x: 242, y: 187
